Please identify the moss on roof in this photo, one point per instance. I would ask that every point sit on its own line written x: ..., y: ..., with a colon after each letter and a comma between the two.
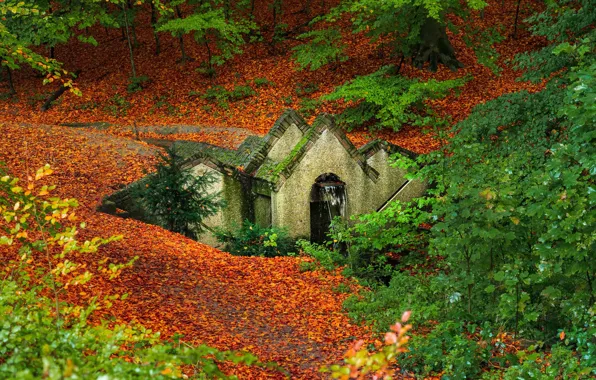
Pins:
x: 189, y: 149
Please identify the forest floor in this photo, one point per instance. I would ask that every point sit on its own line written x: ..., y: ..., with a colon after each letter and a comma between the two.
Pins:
x: 173, y: 93
x: 179, y: 286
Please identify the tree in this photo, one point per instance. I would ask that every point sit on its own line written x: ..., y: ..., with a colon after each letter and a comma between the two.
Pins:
x: 325, y: 47
x: 392, y: 100
x: 178, y: 199
x: 208, y: 25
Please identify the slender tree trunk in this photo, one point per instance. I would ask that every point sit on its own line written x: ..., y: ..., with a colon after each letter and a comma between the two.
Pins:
x: 227, y: 9
x: 58, y: 93
x: 516, y: 18
x: 132, y: 58
x: 155, y: 33
x: 11, y: 89
x: 184, y: 57
x: 401, y: 62
x: 209, y: 57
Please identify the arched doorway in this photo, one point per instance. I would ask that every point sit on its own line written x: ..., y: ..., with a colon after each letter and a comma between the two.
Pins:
x: 327, y: 200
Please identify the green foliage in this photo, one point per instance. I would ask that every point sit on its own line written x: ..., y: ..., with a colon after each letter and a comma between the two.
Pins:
x: 309, y: 106
x: 327, y: 258
x: 137, y: 83
x: 162, y: 103
x: 262, y: 82
x: 447, y: 349
x: 559, y: 23
x: 324, y: 47
x: 45, y: 337
x: 368, y: 240
x: 306, y: 88
x: 422, y: 293
x: 252, y: 240
x: 397, y: 23
x: 212, y: 23
x: 177, y: 199
x: 512, y: 240
x: 117, y: 105
x: 390, y: 100
x: 221, y: 96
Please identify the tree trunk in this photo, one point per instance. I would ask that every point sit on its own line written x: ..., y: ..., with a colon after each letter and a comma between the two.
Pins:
x: 435, y: 47
x: 48, y: 103
x: 155, y: 34
x: 184, y: 57
x: 132, y: 57
x: 516, y: 18
x: 11, y: 89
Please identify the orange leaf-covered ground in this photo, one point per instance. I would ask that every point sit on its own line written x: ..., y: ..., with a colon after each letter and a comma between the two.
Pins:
x: 265, y: 306
x: 167, y: 99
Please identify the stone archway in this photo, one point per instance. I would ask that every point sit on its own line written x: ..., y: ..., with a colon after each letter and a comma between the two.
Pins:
x: 328, y: 199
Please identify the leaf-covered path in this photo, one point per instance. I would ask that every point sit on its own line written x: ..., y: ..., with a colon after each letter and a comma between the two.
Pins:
x: 266, y: 306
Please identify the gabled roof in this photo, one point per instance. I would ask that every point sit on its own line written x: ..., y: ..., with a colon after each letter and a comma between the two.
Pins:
x: 251, y: 157
x: 278, y: 172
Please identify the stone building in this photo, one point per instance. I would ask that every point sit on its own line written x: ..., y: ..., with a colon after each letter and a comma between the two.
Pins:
x: 298, y: 176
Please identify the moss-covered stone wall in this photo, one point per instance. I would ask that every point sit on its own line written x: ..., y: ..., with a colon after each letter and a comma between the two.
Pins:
x: 291, y: 204
x: 231, y: 192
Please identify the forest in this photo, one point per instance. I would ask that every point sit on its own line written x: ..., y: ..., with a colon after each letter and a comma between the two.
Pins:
x: 488, y: 273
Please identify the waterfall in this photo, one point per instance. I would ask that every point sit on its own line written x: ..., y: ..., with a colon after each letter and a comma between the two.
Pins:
x: 335, y: 197
x: 328, y: 200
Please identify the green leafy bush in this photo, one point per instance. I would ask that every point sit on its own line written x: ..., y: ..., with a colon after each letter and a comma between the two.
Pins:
x: 309, y: 106
x: 390, y: 100
x: 306, y: 88
x: 446, y: 349
x: 137, y: 83
x: 262, y: 82
x: 252, y: 240
x: 221, y: 96
x: 325, y: 257
x: 176, y: 198
x: 117, y: 105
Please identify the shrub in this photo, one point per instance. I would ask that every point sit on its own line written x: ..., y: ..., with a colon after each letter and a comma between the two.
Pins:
x: 262, y: 82
x: 221, y: 96
x: 176, y: 198
x: 117, y: 106
x: 309, y: 106
x: 306, y: 88
x: 325, y: 257
x: 445, y: 349
x: 390, y: 99
x: 360, y: 363
x: 253, y: 240
x: 136, y: 84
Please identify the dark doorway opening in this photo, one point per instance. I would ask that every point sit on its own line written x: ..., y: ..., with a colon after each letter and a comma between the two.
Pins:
x: 327, y: 200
